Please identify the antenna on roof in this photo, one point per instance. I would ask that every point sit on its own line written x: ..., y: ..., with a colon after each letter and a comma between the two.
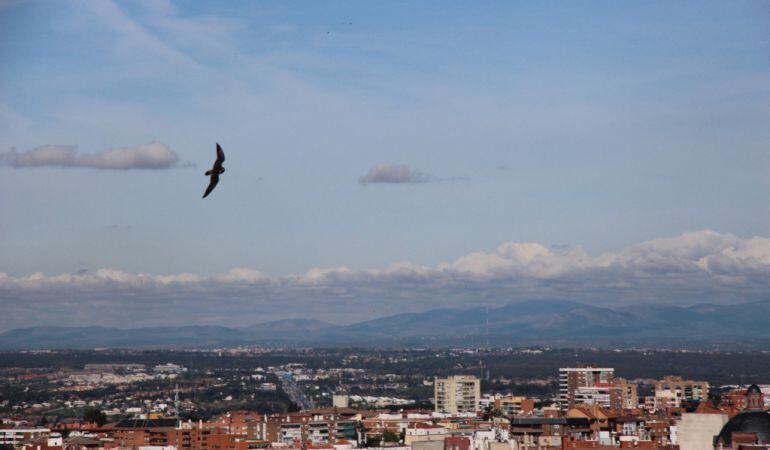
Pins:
x: 176, y: 401
x: 481, y: 369
x: 487, y: 328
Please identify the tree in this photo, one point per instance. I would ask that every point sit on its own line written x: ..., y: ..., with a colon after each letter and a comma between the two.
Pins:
x: 95, y: 415
x: 360, y: 433
x: 292, y: 407
x: 389, y: 436
x: 490, y: 411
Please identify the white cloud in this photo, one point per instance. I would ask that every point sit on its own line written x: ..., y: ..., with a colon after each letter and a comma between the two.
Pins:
x: 148, y: 156
x: 393, y: 173
x: 702, y: 254
x: 400, y: 173
x: 241, y: 275
x: 703, y: 266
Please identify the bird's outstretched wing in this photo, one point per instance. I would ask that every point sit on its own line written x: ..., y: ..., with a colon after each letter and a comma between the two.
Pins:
x: 220, y: 155
x: 212, y: 185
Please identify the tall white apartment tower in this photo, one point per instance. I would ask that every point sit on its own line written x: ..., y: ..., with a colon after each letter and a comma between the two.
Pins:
x: 457, y: 394
x: 571, y: 379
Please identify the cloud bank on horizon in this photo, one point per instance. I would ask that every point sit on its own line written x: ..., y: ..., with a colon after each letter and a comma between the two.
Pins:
x: 696, y: 267
x: 147, y: 156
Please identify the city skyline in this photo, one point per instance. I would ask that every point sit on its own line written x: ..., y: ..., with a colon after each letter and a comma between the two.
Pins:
x: 397, y: 398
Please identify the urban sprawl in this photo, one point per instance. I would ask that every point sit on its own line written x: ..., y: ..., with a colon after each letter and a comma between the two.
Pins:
x: 416, y: 399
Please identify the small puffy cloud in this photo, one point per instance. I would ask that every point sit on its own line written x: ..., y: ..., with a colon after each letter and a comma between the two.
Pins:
x: 148, y: 156
x: 394, y: 173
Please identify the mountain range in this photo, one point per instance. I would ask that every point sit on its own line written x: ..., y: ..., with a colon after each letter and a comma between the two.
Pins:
x: 519, y: 323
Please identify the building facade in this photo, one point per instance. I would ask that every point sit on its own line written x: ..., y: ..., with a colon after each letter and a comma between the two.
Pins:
x: 629, y: 392
x: 606, y: 395
x: 571, y: 379
x: 514, y: 405
x: 457, y: 394
x: 683, y: 389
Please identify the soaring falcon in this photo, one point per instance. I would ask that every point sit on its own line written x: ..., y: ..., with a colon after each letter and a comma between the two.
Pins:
x: 215, y: 171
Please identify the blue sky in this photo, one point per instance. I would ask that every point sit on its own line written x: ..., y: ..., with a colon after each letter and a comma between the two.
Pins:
x: 595, y: 126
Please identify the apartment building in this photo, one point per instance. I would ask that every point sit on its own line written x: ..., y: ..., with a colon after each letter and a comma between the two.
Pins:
x: 573, y: 378
x: 14, y: 436
x: 457, y: 394
x: 682, y: 389
x: 514, y: 405
x: 606, y: 395
x: 629, y: 392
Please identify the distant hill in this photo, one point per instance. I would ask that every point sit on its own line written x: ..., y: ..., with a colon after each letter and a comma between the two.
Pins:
x: 289, y: 326
x: 519, y: 322
x: 93, y: 337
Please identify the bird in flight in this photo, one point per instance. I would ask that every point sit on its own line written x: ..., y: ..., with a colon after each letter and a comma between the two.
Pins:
x: 215, y: 171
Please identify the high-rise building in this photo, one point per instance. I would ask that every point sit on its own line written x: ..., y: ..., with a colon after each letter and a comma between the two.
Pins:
x: 606, y: 395
x: 629, y: 393
x: 457, y: 394
x: 683, y: 389
x: 571, y: 379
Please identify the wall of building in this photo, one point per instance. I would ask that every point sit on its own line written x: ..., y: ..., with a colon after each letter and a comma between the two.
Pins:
x: 456, y: 394
x: 697, y: 431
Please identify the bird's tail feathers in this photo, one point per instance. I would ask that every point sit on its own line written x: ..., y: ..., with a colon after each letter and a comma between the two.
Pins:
x: 208, y: 172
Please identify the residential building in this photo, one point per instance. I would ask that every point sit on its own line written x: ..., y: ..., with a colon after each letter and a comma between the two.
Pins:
x: 421, y: 432
x: 696, y: 431
x: 573, y: 378
x: 457, y: 443
x: 514, y: 405
x: 606, y: 395
x: 457, y: 394
x: 14, y: 436
x: 547, y: 432
x: 662, y: 400
x: 683, y: 389
x: 629, y: 393
x: 247, y: 423
x: 340, y: 400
